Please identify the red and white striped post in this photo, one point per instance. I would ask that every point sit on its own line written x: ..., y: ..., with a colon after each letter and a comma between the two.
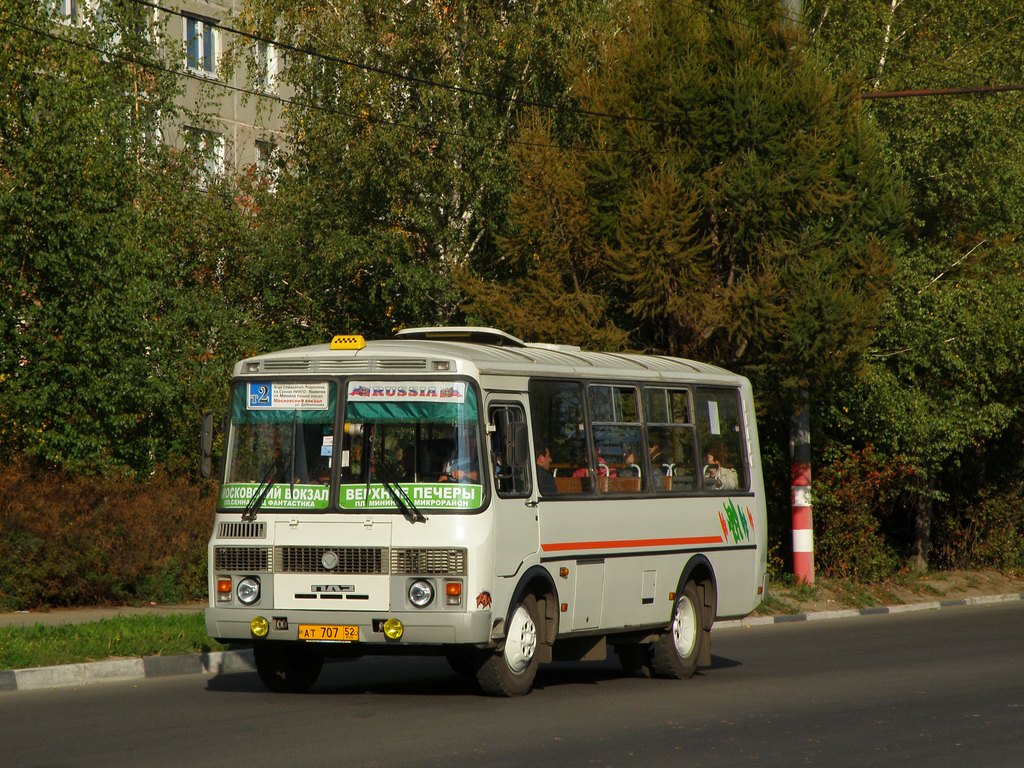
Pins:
x: 800, y: 474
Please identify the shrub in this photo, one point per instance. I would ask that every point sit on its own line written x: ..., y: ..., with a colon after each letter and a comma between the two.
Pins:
x: 857, y: 508
x: 67, y: 540
x: 986, y: 534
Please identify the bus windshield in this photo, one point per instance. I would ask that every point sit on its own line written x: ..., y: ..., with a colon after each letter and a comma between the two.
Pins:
x: 281, y: 440
x: 404, y: 446
x: 420, y: 437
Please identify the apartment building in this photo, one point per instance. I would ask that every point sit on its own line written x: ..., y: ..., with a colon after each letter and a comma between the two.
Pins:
x: 238, y: 112
x: 232, y: 94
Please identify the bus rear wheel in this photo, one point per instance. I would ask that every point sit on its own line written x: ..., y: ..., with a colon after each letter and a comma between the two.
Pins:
x: 511, y: 670
x: 675, y: 652
x: 287, y: 667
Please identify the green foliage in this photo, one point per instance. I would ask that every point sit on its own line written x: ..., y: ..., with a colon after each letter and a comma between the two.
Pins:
x: 399, y: 176
x: 111, y: 299
x: 737, y: 210
x: 944, y: 373
x: 91, y: 541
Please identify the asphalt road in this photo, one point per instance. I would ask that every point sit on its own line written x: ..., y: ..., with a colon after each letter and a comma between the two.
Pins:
x: 932, y: 688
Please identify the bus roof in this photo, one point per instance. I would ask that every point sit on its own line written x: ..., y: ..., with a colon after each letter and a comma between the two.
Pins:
x: 462, y: 349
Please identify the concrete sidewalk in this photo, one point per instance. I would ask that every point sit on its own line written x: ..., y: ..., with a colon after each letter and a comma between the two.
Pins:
x: 59, y: 616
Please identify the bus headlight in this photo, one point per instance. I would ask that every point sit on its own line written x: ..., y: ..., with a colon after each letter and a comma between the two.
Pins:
x: 248, y: 590
x: 421, y: 593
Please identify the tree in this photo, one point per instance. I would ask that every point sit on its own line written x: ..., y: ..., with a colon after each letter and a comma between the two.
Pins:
x: 943, y: 381
x: 110, y: 312
x: 717, y: 196
x: 397, y: 179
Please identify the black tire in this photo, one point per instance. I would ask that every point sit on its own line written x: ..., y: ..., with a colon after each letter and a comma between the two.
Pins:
x: 287, y: 667
x: 510, y: 670
x: 676, y: 651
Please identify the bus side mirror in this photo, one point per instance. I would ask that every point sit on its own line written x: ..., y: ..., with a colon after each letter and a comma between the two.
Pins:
x: 206, y: 446
x: 517, y: 448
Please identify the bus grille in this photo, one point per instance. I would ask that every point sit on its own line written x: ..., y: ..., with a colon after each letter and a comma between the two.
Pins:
x: 248, y: 559
x: 343, y: 366
x: 428, y: 561
x: 242, y: 531
x: 349, y: 559
x: 402, y: 364
x: 287, y: 366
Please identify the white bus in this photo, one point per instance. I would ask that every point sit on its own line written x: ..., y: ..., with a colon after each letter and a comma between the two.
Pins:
x: 459, y: 492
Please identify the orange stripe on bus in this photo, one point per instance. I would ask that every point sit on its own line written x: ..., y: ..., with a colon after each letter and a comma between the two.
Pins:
x: 630, y: 543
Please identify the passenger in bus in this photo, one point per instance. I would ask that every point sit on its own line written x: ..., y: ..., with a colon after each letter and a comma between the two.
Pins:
x: 716, y: 473
x: 603, y: 470
x: 461, y: 466
x: 659, y: 462
x: 545, y: 479
x: 629, y: 466
x: 459, y: 471
x: 401, y: 460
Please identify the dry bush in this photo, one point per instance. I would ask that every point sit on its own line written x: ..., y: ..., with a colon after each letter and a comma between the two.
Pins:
x: 986, y: 534
x: 68, y: 541
x: 858, y: 516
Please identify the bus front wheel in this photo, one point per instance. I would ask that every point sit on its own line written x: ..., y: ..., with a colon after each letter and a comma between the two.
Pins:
x: 675, y: 652
x: 510, y: 671
x: 287, y: 667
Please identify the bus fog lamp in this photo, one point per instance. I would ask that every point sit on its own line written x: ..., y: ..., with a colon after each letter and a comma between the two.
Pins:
x: 259, y: 626
x: 248, y: 590
x: 393, y: 629
x: 421, y: 593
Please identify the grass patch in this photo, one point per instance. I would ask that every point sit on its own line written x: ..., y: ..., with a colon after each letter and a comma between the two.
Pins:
x: 774, y: 606
x: 123, y: 636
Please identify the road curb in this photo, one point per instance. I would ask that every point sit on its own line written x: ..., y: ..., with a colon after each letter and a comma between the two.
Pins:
x: 228, y: 662
x: 121, y: 670
x: 788, y: 618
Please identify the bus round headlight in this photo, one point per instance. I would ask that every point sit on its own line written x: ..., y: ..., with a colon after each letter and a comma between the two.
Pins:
x: 421, y: 593
x: 248, y: 590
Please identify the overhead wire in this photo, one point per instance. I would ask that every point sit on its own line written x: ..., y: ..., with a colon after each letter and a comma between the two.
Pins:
x: 213, y: 82
x: 405, y: 77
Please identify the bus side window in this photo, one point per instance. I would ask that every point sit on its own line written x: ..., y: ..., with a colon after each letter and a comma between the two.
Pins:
x: 557, y: 421
x: 721, y: 440
x: 670, y: 439
x: 509, y: 450
x: 617, y: 438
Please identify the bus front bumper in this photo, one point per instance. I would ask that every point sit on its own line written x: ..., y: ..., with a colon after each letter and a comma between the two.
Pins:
x: 419, y: 628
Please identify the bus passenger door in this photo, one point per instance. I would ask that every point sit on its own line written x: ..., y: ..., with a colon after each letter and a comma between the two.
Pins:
x: 516, y: 535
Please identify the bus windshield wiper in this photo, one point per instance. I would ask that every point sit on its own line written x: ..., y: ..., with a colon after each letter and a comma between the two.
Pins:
x: 400, y: 497
x: 260, y: 494
x: 396, y: 491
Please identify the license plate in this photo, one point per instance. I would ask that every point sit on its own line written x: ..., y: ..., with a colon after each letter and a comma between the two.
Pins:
x: 338, y: 633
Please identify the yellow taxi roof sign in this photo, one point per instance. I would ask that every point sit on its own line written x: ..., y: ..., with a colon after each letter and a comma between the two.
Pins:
x: 348, y: 341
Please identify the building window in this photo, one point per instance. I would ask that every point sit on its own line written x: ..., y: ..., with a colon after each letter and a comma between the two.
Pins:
x: 267, y: 166
x: 266, y: 65
x: 201, y: 45
x: 67, y: 10
x: 208, y: 146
